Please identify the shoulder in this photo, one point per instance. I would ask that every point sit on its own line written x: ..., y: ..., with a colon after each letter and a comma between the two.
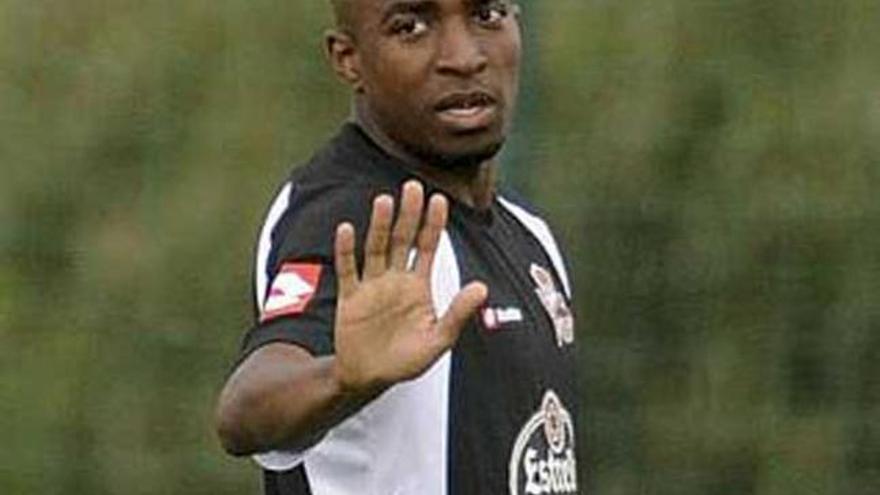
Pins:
x: 510, y: 197
x: 336, y: 185
x: 517, y: 204
x: 311, y: 212
x: 530, y: 218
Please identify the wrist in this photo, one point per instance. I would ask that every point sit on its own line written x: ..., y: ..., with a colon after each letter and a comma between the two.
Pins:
x: 350, y: 384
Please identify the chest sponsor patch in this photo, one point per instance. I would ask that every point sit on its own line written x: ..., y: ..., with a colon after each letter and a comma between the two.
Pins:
x: 291, y: 290
x: 497, y: 318
x: 554, y: 303
x: 542, y: 460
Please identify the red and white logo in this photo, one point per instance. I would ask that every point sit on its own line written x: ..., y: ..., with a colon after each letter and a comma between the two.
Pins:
x: 495, y: 318
x: 291, y: 290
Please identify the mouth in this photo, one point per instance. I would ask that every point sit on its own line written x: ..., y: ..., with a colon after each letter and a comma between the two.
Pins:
x: 466, y: 111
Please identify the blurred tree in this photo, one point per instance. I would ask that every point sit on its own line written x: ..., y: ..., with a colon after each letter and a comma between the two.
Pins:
x: 712, y: 166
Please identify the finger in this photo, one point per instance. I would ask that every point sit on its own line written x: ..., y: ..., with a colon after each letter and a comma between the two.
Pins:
x: 429, y: 237
x: 411, y: 203
x: 344, y: 259
x: 376, y: 247
x: 463, y: 307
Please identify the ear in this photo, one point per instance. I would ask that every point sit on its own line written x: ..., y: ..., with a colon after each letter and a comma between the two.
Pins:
x: 343, y: 55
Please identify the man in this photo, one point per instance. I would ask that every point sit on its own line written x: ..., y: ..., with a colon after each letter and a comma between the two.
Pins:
x: 414, y: 333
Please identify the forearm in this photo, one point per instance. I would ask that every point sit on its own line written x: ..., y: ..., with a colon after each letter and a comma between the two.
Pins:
x: 282, y: 397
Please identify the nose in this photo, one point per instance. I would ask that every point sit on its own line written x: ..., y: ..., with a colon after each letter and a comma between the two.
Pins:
x: 461, y: 52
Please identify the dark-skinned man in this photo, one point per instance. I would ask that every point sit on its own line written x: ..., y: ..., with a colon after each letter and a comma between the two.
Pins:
x: 413, y: 330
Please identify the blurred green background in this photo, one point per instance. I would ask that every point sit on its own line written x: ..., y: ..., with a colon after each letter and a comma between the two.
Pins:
x: 710, y: 165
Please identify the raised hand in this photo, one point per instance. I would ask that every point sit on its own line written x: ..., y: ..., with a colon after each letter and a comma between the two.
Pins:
x: 386, y: 328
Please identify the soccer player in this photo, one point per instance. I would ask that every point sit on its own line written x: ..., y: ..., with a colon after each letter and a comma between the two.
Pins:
x: 413, y: 332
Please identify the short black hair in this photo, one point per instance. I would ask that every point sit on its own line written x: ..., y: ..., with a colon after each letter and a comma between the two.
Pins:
x: 342, y: 12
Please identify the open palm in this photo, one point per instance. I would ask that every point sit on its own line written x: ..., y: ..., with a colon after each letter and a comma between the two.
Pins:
x: 386, y: 328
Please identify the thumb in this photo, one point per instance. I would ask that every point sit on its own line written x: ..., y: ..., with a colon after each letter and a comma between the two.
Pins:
x: 463, y: 306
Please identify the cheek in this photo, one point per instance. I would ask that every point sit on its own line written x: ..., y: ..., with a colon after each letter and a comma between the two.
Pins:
x: 512, y: 57
x: 397, y: 72
x: 507, y: 53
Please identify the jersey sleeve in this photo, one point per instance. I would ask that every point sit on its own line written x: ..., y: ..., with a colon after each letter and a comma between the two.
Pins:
x: 295, y: 282
x: 299, y: 309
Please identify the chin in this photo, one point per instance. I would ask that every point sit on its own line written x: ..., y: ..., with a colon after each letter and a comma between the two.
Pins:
x: 460, y: 157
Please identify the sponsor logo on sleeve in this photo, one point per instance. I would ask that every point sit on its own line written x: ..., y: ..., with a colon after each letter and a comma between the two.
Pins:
x: 543, y: 457
x: 554, y: 303
x: 291, y: 291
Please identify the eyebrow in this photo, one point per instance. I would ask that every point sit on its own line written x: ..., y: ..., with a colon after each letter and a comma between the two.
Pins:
x: 407, y: 7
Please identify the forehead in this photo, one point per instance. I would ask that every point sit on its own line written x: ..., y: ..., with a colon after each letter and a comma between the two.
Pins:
x: 381, y: 4
x: 384, y: 6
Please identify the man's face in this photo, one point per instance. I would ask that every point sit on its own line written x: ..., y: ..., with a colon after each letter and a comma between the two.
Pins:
x: 439, y: 77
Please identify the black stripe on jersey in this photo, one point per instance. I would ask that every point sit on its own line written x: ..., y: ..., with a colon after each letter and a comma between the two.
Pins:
x: 293, y: 482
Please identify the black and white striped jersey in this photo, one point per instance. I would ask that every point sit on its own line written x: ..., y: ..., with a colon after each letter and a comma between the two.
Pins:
x: 495, y: 415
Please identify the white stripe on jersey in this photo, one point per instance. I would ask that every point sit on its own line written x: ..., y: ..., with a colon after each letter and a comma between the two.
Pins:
x: 264, y: 248
x: 274, y: 461
x: 541, y: 232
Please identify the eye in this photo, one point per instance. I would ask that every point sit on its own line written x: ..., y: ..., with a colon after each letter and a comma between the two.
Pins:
x: 491, y: 14
x: 409, y: 26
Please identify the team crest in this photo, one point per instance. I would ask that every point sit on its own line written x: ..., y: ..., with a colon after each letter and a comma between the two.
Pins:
x: 543, y: 457
x: 554, y: 302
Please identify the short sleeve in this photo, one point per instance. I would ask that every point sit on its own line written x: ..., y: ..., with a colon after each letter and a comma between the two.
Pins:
x: 307, y: 319
x: 296, y: 303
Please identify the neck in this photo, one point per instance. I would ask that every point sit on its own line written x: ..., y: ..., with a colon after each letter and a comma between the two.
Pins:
x: 472, y: 186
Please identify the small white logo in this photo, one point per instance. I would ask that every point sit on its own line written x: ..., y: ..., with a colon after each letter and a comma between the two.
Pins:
x: 554, y: 302
x: 495, y: 318
x: 543, y: 457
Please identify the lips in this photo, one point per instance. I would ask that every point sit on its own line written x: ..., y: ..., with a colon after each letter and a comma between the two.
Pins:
x: 464, y: 101
x: 465, y: 111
